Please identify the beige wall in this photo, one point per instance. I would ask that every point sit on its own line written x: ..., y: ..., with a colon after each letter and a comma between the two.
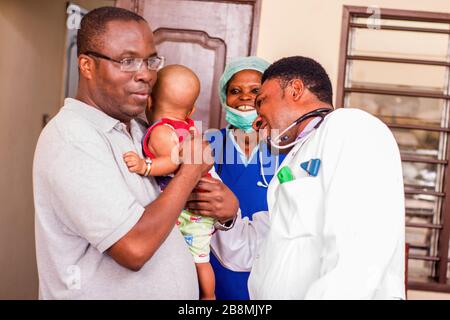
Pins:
x: 32, y: 40
x: 31, y: 33
x: 313, y: 27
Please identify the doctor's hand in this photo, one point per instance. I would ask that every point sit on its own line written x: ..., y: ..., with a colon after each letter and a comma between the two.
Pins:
x: 212, y: 198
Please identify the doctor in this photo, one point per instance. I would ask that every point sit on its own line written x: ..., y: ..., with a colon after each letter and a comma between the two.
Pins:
x: 336, y: 205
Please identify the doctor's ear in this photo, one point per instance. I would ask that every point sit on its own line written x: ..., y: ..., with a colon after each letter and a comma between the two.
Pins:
x: 297, y: 88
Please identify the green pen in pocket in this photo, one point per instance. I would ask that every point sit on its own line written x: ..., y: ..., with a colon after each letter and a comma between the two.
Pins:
x: 285, y: 175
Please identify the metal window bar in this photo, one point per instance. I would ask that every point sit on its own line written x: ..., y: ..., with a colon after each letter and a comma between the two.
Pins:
x: 424, y: 225
x: 399, y: 60
x: 398, y: 28
x: 424, y: 258
x: 405, y: 93
x: 417, y: 127
x: 429, y: 193
x: 406, y: 158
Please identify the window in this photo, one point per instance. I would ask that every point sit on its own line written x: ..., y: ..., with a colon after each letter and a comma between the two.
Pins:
x: 395, y: 64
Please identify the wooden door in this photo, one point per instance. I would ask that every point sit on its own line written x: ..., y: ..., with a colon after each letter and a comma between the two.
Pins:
x: 202, y: 35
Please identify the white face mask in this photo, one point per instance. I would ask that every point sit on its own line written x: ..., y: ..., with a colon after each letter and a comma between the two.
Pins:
x: 240, y: 119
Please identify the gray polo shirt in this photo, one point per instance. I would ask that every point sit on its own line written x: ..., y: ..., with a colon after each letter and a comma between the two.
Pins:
x: 85, y: 201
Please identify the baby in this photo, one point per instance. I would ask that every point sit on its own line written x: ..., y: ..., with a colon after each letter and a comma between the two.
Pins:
x: 173, y: 98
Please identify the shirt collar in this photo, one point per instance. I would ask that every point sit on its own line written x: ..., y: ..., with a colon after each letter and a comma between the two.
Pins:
x: 243, y: 156
x: 93, y: 115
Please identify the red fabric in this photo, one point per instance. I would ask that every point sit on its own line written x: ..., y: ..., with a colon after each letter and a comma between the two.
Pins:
x: 182, y: 129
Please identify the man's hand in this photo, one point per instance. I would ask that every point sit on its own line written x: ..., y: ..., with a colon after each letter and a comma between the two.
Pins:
x: 212, y: 198
x: 196, y: 154
x: 134, y: 163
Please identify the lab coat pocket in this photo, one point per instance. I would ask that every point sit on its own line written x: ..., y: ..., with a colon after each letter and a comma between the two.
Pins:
x: 297, y: 208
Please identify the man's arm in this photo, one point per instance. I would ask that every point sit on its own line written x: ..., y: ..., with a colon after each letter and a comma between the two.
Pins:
x: 141, y: 242
x: 92, y: 200
x: 158, y: 220
x: 237, y: 248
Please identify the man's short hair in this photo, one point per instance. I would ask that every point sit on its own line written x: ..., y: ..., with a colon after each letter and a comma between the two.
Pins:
x: 308, y: 70
x: 93, y: 26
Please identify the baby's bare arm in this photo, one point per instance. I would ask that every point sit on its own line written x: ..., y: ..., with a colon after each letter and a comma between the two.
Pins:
x: 134, y: 163
x: 163, y: 143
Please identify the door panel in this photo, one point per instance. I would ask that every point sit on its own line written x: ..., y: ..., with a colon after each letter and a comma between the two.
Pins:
x: 203, y: 35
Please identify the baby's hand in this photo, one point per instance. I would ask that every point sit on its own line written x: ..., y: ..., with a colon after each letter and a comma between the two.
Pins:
x: 134, y: 163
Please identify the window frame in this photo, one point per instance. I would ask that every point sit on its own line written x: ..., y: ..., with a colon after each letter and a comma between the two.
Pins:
x: 441, y: 282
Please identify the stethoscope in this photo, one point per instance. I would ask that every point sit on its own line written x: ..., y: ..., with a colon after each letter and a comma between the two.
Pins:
x: 262, y: 184
x: 321, y: 112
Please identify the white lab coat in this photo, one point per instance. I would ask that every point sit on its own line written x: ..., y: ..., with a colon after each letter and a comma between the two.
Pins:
x: 339, y: 235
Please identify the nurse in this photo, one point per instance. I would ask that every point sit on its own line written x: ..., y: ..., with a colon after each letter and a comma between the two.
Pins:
x: 336, y: 206
x: 243, y: 162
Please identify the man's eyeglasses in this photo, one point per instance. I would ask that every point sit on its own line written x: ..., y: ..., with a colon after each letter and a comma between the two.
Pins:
x: 154, y: 63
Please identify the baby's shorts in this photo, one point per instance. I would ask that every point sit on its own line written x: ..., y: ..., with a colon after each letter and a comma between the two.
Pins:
x: 197, y: 231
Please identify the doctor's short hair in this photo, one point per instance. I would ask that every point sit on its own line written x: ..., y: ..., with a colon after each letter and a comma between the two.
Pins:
x: 308, y: 70
x: 93, y: 26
